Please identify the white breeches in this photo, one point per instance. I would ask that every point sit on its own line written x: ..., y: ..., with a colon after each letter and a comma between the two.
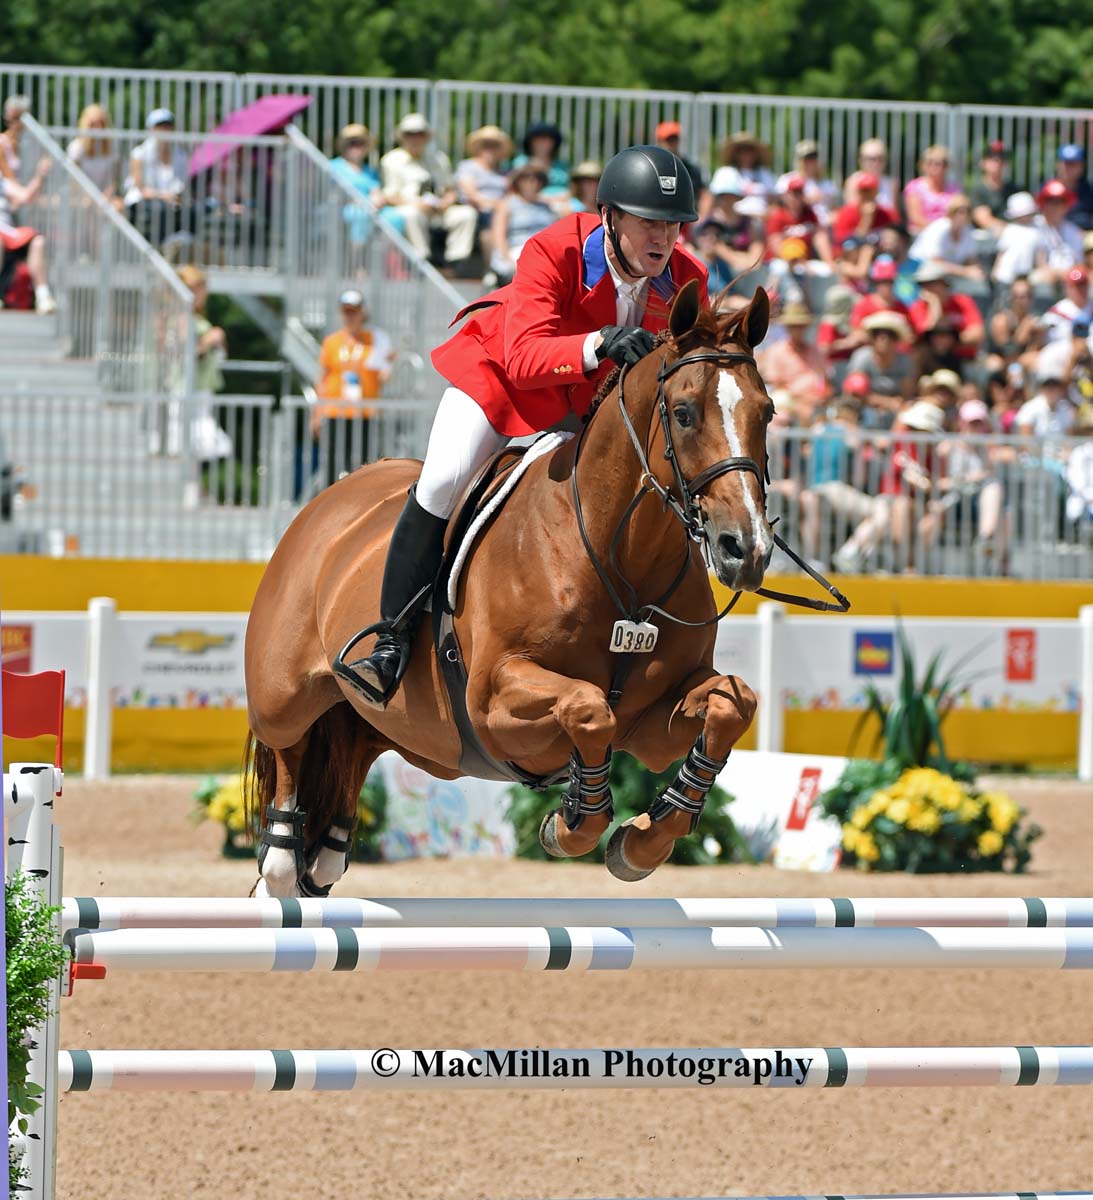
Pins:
x: 461, y: 442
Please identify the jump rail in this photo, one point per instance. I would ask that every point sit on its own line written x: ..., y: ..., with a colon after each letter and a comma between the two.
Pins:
x: 563, y: 948
x: 548, y: 1070
x: 230, y: 912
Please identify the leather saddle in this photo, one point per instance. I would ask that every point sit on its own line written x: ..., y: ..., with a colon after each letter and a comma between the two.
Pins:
x: 475, y: 759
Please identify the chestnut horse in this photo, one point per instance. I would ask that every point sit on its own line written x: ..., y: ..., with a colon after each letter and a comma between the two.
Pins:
x: 608, y: 526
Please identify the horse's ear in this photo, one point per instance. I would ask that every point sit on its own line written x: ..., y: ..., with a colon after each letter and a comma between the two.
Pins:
x: 684, y: 309
x: 758, y: 317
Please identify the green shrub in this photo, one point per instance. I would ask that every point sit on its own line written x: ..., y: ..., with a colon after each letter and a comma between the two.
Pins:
x: 634, y: 788
x: 35, y: 960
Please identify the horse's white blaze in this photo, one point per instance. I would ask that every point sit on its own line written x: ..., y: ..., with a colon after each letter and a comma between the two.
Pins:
x: 728, y: 396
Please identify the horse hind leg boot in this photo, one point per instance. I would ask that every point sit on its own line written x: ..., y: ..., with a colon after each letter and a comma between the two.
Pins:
x: 686, y: 795
x: 331, y: 862
x: 413, y: 560
x: 281, y: 852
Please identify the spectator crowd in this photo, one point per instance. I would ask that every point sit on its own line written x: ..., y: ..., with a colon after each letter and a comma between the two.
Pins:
x: 942, y: 306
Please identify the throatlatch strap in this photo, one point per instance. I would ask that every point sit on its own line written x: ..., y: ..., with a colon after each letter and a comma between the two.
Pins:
x: 698, y: 773
x: 587, y: 792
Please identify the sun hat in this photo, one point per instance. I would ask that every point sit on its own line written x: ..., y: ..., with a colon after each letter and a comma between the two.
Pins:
x: 974, y: 410
x: 160, y: 116
x: 924, y: 417
x: 890, y: 321
x: 931, y: 272
x: 806, y: 148
x: 489, y: 133
x: 1019, y: 205
x: 589, y: 169
x: 945, y: 378
x: 796, y: 313
x: 413, y: 122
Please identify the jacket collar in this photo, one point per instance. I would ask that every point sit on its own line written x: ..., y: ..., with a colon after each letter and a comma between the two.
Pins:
x: 594, y: 266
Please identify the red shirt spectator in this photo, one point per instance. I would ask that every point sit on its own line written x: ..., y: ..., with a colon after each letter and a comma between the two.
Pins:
x: 883, y: 274
x: 936, y: 303
x: 867, y: 216
x: 793, y: 218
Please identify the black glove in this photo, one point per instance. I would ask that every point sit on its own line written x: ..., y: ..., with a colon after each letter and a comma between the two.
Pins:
x: 625, y: 345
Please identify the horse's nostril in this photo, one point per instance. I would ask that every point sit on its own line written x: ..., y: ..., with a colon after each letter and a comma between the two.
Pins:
x: 729, y: 546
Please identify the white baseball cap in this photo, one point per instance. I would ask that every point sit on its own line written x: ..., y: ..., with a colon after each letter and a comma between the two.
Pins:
x: 351, y: 298
x: 160, y: 116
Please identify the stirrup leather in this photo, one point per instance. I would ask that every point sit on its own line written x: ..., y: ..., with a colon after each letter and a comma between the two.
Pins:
x: 698, y: 773
x: 294, y: 841
x: 587, y: 792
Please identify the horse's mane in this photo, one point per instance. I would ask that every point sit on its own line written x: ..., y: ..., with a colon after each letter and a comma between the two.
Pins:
x: 711, y: 328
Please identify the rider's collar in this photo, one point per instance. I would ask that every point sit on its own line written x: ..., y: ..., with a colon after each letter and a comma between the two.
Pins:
x: 596, y: 266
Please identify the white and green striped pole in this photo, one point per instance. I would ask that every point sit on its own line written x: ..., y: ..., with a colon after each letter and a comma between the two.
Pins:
x: 386, y: 1069
x: 233, y: 912
x: 574, y: 948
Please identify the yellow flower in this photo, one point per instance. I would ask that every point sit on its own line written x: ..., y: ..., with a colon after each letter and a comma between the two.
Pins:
x: 1002, y: 810
x: 926, y: 820
x: 851, y: 837
x: 971, y: 809
x: 990, y: 843
x: 879, y: 801
x: 867, y: 848
x: 862, y: 816
x: 899, y: 811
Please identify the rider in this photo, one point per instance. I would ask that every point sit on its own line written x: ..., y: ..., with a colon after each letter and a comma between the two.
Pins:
x: 590, y: 292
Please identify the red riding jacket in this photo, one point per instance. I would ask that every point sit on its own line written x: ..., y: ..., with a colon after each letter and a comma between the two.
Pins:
x: 520, y: 355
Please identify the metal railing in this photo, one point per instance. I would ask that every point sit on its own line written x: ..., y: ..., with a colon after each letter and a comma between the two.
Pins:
x: 200, y: 477
x: 839, y: 126
x: 952, y: 504
x: 595, y: 121
x: 121, y: 305
x: 229, y: 208
x: 222, y: 477
x: 377, y: 104
x: 58, y: 94
x: 337, y: 240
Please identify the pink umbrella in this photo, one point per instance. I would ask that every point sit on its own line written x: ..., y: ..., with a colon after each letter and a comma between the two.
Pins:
x: 262, y: 116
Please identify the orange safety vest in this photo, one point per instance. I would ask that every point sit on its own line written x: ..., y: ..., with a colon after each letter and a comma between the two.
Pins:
x: 341, y: 353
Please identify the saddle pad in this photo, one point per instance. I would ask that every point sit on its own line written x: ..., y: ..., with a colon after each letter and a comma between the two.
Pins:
x: 547, y: 444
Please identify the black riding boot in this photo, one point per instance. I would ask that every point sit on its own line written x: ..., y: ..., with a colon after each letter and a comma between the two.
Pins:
x: 413, y: 560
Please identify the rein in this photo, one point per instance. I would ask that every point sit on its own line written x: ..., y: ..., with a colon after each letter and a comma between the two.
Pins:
x: 685, y: 507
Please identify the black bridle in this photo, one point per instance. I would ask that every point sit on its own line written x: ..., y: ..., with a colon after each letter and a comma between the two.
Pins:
x: 685, y: 506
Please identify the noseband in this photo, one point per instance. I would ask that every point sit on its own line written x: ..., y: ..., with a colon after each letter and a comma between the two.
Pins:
x: 685, y: 506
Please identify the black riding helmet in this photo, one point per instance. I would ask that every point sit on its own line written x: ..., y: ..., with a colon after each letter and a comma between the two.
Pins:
x: 649, y: 182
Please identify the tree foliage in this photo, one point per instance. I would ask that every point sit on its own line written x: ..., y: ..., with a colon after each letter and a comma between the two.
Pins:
x: 957, y: 51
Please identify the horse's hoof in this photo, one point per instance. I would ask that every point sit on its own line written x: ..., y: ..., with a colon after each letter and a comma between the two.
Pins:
x: 548, y: 835
x: 615, y: 857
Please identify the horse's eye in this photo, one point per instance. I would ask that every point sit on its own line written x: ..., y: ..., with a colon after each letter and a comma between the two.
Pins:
x: 683, y: 415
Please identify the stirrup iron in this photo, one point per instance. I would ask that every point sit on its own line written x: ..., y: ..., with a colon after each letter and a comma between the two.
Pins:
x: 346, y: 670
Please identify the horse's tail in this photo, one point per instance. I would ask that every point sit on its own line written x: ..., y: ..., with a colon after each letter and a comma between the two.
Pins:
x: 259, y: 781
x: 330, y: 778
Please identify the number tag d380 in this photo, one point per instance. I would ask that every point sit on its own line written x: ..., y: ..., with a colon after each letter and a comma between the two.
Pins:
x: 633, y: 637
